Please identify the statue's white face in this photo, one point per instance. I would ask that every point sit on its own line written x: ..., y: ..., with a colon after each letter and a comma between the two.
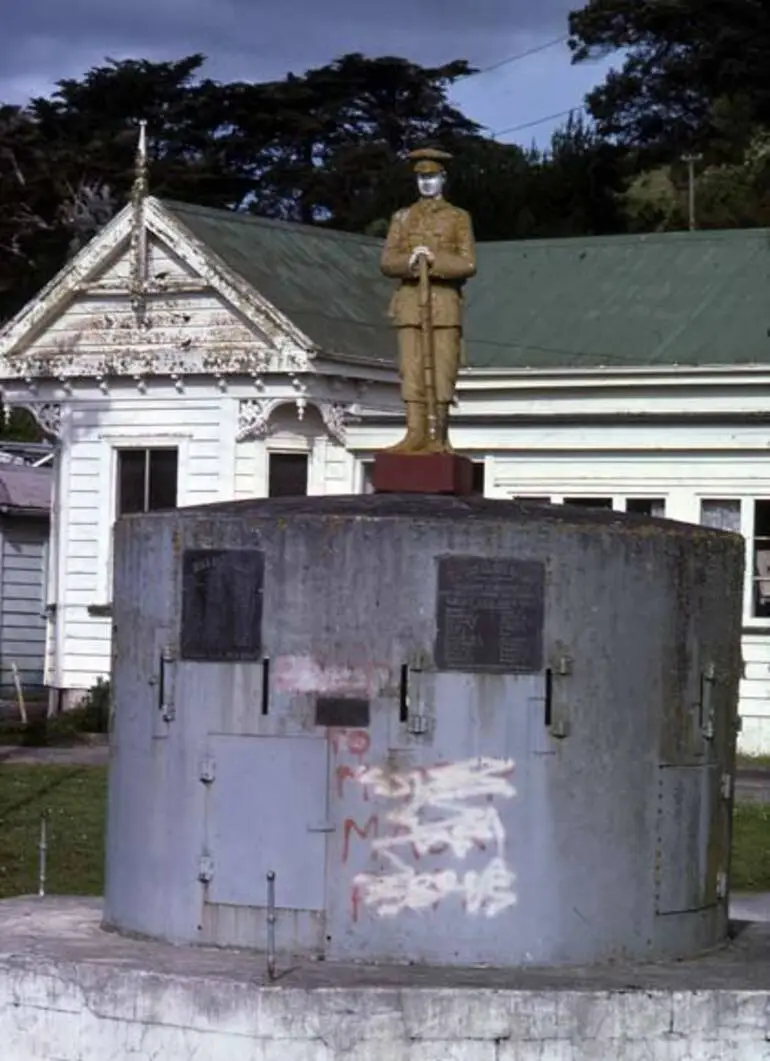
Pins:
x: 431, y: 185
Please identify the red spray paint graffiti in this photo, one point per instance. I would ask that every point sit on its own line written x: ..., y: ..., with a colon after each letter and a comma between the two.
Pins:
x: 370, y: 829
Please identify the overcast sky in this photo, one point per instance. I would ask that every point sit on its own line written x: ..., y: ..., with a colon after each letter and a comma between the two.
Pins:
x: 44, y: 40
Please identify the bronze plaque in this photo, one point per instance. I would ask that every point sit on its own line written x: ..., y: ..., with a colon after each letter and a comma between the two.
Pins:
x: 490, y: 615
x: 222, y: 604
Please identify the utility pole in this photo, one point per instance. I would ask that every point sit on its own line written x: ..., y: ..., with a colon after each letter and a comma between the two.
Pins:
x: 691, y: 160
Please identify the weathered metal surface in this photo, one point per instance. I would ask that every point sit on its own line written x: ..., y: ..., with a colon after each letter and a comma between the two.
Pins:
x: 687, y: 800
x: 246, y: 927
x: 479, y: 817
x: 246, y: 846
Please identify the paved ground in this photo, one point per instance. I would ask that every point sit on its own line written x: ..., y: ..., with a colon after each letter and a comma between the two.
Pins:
x: 750, y: 906
x: 753, y: 785
x: 96, y: 754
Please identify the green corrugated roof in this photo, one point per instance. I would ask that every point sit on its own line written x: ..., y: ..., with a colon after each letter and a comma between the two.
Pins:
x: 327, y: 283
x: 687, y: 298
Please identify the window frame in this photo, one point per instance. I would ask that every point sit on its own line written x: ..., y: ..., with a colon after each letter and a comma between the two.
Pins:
x: 480, y: 463
x: 586, y: 501
x: 362, y: 463
x: 147, y: 451
x: 112, y: 441
x: 746, y: 528
x: 648, y: 498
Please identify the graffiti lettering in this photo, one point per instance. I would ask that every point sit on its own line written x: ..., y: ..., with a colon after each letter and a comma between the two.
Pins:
x: 354, y: 742
x: 350, y: 826
x: 358, y: 742
x: 453, y: 781
x: 347, y: 773
x: 435, y: 815
x: 488, y: 892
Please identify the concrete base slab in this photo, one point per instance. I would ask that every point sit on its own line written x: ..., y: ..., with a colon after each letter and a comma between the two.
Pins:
x: 71, y: 992
x: 750, y: 906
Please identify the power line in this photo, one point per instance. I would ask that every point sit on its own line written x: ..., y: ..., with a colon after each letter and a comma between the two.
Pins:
x: 519, y: 55
x: 538, y: 121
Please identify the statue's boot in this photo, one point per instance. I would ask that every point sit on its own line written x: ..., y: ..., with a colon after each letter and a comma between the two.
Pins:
x: 441, y: 443
x: 416, y: 437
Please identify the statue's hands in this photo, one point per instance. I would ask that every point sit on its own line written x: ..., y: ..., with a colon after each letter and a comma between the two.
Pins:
x: 417, y: 253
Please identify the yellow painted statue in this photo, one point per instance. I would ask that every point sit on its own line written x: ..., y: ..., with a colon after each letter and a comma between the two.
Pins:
x: 431, y: 250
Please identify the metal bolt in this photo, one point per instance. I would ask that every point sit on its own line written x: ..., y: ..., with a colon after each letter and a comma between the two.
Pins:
x: 43, y: 851
x: 271, y: 925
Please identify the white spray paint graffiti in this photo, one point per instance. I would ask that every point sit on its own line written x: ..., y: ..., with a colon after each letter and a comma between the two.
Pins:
x: 435, y: 815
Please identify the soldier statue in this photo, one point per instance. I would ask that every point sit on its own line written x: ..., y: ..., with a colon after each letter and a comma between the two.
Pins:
x: 431, y: 250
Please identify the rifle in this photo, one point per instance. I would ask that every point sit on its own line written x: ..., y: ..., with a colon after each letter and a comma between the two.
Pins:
x: 428, y: 354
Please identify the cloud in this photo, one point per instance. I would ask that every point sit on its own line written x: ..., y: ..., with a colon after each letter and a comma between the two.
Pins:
x: 256, y: 41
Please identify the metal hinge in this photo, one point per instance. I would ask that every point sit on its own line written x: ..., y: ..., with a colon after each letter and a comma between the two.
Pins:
x: 418, y: 725
x: 721, y: 885
x: 166, y: 686
x: 558, y: 726
x: 205, y: 869
x: 708, y: 681
x: 727, y: 786
x: 563, y: 666
x: 207, y: 770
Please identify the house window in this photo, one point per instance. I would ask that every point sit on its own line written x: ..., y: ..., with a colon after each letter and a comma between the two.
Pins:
x: 287, y: 475
x: 147, y: 480
x: 589, y: 502
x: 367, y: 485
x: 761, y: 565
x: 647, y: 506
x: 721, y: 514
x: 479, y: 477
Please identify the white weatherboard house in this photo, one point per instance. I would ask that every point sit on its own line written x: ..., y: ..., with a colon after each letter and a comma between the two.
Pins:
x: 188, y: 355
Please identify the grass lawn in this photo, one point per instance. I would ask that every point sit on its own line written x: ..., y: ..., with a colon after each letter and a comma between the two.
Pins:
x: 75, y: 798
x: 751, y: 848
x: 753, y: 762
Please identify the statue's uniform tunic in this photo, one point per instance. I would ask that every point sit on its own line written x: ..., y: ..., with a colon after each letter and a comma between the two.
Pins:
x: 448, y: 233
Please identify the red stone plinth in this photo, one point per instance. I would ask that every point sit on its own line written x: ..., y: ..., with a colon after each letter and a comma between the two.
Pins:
x: 422, y: 473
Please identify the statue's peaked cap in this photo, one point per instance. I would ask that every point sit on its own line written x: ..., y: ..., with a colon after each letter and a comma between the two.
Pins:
x: 429, y: 159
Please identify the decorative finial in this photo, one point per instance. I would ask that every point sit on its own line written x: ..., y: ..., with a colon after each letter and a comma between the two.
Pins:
x: 141, y: 183
x: 138, y: 229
